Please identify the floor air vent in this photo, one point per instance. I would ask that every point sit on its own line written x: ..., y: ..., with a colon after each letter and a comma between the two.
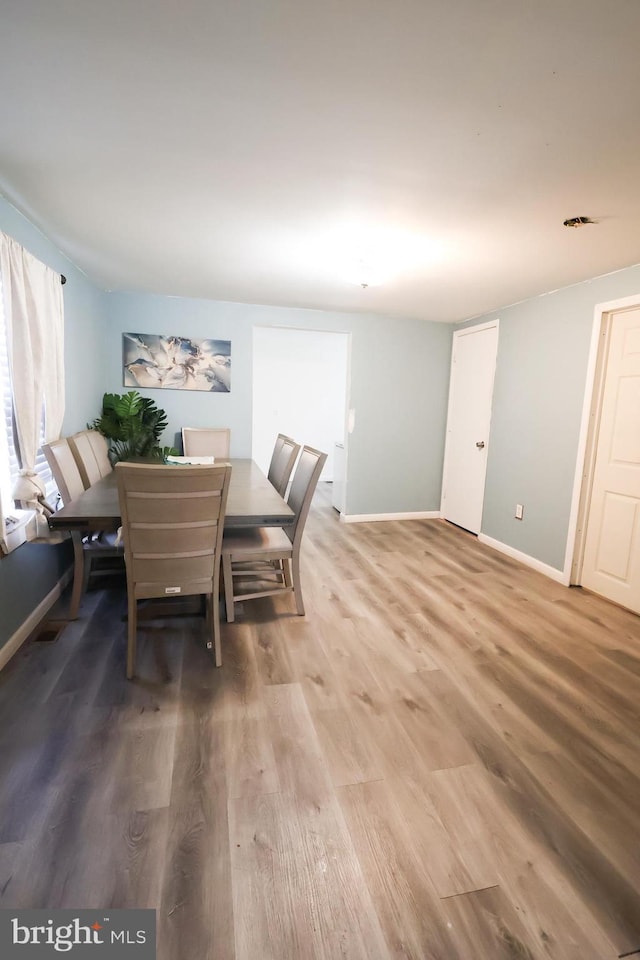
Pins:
x: 50, y: 631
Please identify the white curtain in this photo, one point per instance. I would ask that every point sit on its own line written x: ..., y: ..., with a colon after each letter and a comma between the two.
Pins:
x: 34, y: 314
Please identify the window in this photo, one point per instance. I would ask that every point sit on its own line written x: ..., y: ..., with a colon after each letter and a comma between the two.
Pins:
x: 9, y: 464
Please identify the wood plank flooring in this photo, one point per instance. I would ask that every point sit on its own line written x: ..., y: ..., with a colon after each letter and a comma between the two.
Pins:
x: 439, y: 762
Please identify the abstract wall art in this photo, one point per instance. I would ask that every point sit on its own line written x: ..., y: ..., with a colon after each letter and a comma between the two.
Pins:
x: 176, y: 363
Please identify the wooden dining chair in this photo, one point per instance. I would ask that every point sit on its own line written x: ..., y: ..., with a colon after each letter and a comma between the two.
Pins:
x: 206, y: 442
x: 89, y: 449
x: 172, y: 523
x: 88, y: 549
x: 284, y: 456
x: 265, y: 561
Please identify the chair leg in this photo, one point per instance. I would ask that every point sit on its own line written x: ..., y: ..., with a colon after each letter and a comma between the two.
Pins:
x: 131, y: 635
x: 297, y: 586
x: 227, y: 579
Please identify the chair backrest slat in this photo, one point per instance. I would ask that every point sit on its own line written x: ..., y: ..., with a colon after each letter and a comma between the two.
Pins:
x: 101, y: 451
x: 302, y: 489
x: 206, y: 442
x: 277, y: 447
x: 285, y: 454
x: 85, y: 458
x: 64, y: 469
x: 91, y: 453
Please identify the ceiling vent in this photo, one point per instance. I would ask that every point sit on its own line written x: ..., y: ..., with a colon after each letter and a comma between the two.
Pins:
x: 578, y: 221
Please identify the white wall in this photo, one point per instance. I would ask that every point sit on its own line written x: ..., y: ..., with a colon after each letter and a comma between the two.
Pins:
x: 299, y: 388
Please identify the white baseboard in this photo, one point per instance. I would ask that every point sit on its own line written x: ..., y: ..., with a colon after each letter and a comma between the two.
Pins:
x: 36, y: 616
x: 559, y: 575
x: 371, y: 517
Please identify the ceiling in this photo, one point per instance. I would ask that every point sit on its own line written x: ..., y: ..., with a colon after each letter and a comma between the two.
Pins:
x: 252, y: 150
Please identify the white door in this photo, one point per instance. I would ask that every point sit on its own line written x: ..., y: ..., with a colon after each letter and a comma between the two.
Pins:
x: 473, y: 365
x: 611, y: 564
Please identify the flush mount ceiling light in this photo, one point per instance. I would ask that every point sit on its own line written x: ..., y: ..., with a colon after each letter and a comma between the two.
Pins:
x: 578, y: 221
x: 367, y: 270
x: 371, y: 255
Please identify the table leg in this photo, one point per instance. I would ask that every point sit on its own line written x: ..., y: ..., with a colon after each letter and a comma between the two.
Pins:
x: 78, y: 574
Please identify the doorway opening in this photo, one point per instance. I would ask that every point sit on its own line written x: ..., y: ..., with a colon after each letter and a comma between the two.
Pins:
x: 300, y: 388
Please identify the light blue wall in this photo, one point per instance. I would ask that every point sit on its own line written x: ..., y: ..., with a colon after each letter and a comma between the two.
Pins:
x: 399, y: 383
x: 539, y: 393
x: 28, y: 574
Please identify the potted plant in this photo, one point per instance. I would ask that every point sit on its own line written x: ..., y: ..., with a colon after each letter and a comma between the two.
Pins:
x: 133, y: 426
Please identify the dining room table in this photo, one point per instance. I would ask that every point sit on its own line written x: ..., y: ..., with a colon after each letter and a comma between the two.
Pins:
x: 251, y: 501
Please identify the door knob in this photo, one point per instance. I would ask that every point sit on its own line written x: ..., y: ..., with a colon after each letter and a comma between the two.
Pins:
x: 480, y: 444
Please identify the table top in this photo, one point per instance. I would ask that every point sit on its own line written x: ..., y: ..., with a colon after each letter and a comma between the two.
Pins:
x: 252, y: 501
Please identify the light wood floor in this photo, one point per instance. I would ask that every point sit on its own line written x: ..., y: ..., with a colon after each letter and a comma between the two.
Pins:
x: 439, y: 761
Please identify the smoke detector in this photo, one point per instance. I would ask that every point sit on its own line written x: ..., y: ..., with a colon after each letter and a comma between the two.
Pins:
x: 578, y: 221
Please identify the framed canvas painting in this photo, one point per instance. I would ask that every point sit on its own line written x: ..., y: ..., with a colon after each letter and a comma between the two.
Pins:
x: 152, y: 360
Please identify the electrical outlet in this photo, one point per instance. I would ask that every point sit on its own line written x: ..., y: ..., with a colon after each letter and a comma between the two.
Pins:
x: 519, y: 511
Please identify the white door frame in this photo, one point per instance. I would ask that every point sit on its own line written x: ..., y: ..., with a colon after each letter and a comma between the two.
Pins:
x: 588, y: 438
x: 474, y: 328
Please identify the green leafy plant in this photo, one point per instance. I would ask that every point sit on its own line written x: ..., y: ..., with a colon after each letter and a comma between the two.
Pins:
x: 133, y: 426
